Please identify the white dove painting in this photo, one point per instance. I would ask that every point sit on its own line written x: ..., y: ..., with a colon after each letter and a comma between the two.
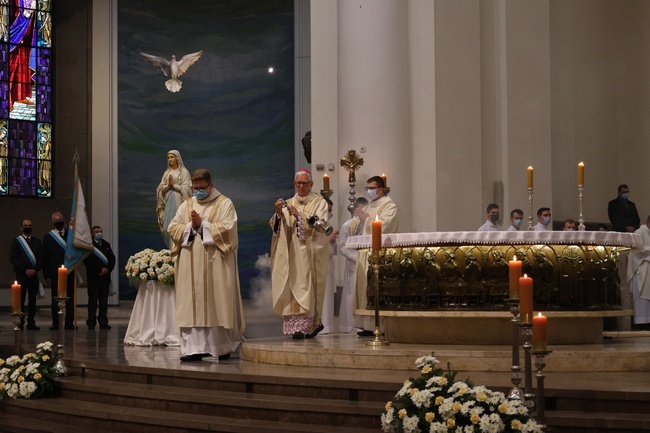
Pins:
x: 173, y: 68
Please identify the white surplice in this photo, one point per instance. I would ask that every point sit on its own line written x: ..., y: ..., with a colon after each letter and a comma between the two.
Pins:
x: 638, y: 276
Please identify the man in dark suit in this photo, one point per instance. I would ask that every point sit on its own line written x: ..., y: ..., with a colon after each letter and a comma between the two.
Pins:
x: 25, y: 256
x: 99, y: 266
x: 622, y: 212
x: 53, y: 257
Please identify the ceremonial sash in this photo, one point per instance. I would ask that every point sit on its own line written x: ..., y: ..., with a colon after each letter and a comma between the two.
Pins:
x: 28, y: 251
x: 57, y: 238
x: 101, y: 256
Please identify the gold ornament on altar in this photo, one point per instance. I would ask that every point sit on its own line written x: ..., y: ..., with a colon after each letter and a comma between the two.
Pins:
x: 351, y: 162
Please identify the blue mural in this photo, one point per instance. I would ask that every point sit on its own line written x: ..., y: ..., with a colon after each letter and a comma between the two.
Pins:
x: 232, y: 115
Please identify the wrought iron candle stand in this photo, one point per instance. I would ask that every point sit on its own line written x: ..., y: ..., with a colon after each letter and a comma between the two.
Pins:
x: 60, y: 368
x: 378, y: 341
x: 581, y: 220
x: 540, y: 363
x: 16, y: 319
x: 530, y: 209
x: 515, y: 391
x: 527, y: 334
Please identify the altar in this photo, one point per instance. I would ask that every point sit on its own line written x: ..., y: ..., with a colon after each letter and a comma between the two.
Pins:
x: 451, y: 287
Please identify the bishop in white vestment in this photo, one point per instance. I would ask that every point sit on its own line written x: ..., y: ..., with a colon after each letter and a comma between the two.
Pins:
x: 209, y: 309
x: 638, y: 276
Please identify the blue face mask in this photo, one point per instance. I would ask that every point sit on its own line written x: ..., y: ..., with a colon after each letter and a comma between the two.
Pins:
x: 546, y: 220
x: 625, y: 196
x: 200, y: 194
x: 99, y: 236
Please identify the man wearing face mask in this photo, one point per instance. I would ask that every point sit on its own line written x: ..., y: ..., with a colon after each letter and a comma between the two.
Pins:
x: 543, y: 220
x: 569, y: 225
x: 622, y: 212
x: 25, y: 257
x: 516, y: 219
x: 492, y: 219
x: 209, y: 309
x: 54, y: 245
x: 299, y: 260
x: 383, y: 207
x: 99, y: 266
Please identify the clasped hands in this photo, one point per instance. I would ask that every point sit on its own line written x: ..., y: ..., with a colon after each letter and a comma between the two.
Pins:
x: 196, y: 220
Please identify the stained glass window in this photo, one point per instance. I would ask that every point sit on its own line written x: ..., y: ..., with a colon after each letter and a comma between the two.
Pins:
x: 26, y: 98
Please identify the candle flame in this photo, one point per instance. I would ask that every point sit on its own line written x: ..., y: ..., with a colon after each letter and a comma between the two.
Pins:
x: 525, y: 275
x: 15, y: 283
x: 62, y: 266
x: 539, y: 314
x: 514, y: 259
x: 376, y: 217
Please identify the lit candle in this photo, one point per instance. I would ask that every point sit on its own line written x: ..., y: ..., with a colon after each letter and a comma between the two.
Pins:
x: 526, y: 299
x: 581, y: 173
x: 530, y: 176
x: 15, y: 298
x: 515, y: 273
x: 383, y: 176
x: 376, y: 234
x: 539, y: 333
x: 326, y: 182
x: 62, y: 287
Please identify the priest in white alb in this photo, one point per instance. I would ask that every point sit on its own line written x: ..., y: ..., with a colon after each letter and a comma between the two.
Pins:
x: 209, y: 309
x: 638, y: 276
x: 299, y: 259
x: 384, y: 208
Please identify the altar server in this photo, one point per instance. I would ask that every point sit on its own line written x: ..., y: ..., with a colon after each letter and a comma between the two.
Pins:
x: 638, y: 276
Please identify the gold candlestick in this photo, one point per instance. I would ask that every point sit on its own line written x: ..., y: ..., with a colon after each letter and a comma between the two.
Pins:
x: 378, y: 341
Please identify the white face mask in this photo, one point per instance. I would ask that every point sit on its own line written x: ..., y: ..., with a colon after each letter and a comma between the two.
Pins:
x: 372, y: 194
x: 517, y: 222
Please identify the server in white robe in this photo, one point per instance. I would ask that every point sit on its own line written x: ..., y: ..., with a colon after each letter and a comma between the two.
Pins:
x: 209, y: 309
x: 638, y: 276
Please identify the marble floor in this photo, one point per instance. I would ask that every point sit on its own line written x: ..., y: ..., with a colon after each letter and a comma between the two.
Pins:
x: 106, y: 346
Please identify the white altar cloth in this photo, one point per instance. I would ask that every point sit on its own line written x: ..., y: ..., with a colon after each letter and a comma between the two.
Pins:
x: 427, y: 239
x: 153, y: 319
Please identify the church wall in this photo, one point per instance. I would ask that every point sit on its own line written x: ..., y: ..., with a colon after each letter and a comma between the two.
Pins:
x: 71, y: 30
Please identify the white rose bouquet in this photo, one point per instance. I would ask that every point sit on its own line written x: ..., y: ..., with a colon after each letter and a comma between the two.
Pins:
x: 149, y: 264
x: 31, y: 376
x: 436, y: 402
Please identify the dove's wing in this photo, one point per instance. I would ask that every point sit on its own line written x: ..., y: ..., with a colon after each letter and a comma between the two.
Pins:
x: 158, y: 62
x: 187, y: 61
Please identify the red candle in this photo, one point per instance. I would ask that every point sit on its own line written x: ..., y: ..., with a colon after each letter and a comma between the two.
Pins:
x: 62, y: 287
x: 515, y: 273
x: 15, y: 298
x: 326, y: 182
x: 383, y: 176
x: 526, y: 298
x: 376, y: 234
x: 539, y: 333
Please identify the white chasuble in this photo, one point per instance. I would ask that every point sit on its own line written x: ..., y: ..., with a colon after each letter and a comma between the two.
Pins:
x: 299, y: 266
x: 206, y: 274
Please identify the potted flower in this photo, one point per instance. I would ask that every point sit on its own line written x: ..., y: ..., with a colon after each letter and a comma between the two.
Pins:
x: 150, y: 264
x: 31, y: 376
x: 436, y: 402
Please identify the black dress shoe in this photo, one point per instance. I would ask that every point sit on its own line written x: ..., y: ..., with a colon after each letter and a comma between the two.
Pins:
x: 298, y: 336
x: 104, y: 326
x: 192, y: 358
x: 224, y: 357
x: 91, y: 326
x: 33, y: 328
x: 365, y: 333
x: 54, y: 328
x: 316, y: 331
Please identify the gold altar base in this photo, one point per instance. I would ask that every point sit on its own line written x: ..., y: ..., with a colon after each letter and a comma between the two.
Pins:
x: 616, y: 354
x: 488, y: 327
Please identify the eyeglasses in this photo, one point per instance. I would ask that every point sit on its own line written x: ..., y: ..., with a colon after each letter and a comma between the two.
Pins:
x: 370, y: 188
x: 298, y: 183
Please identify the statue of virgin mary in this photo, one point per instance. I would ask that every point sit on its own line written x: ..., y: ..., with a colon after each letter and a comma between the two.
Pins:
x: 175, y: 187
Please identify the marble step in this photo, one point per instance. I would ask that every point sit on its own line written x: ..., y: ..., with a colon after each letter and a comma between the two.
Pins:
x: 601, y: 422
x: 127, y: 419
x: 333, y: 412
x: 19, y: 424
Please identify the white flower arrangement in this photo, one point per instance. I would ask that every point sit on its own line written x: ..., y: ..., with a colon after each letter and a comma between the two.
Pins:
x: 436, y: 402
x: 150, y: 264
x: 31, y: 376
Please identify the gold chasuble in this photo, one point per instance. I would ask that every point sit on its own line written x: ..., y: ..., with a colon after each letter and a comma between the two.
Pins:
x: 386, y: 209
x: 206, y: 274
x: 299, y: 266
